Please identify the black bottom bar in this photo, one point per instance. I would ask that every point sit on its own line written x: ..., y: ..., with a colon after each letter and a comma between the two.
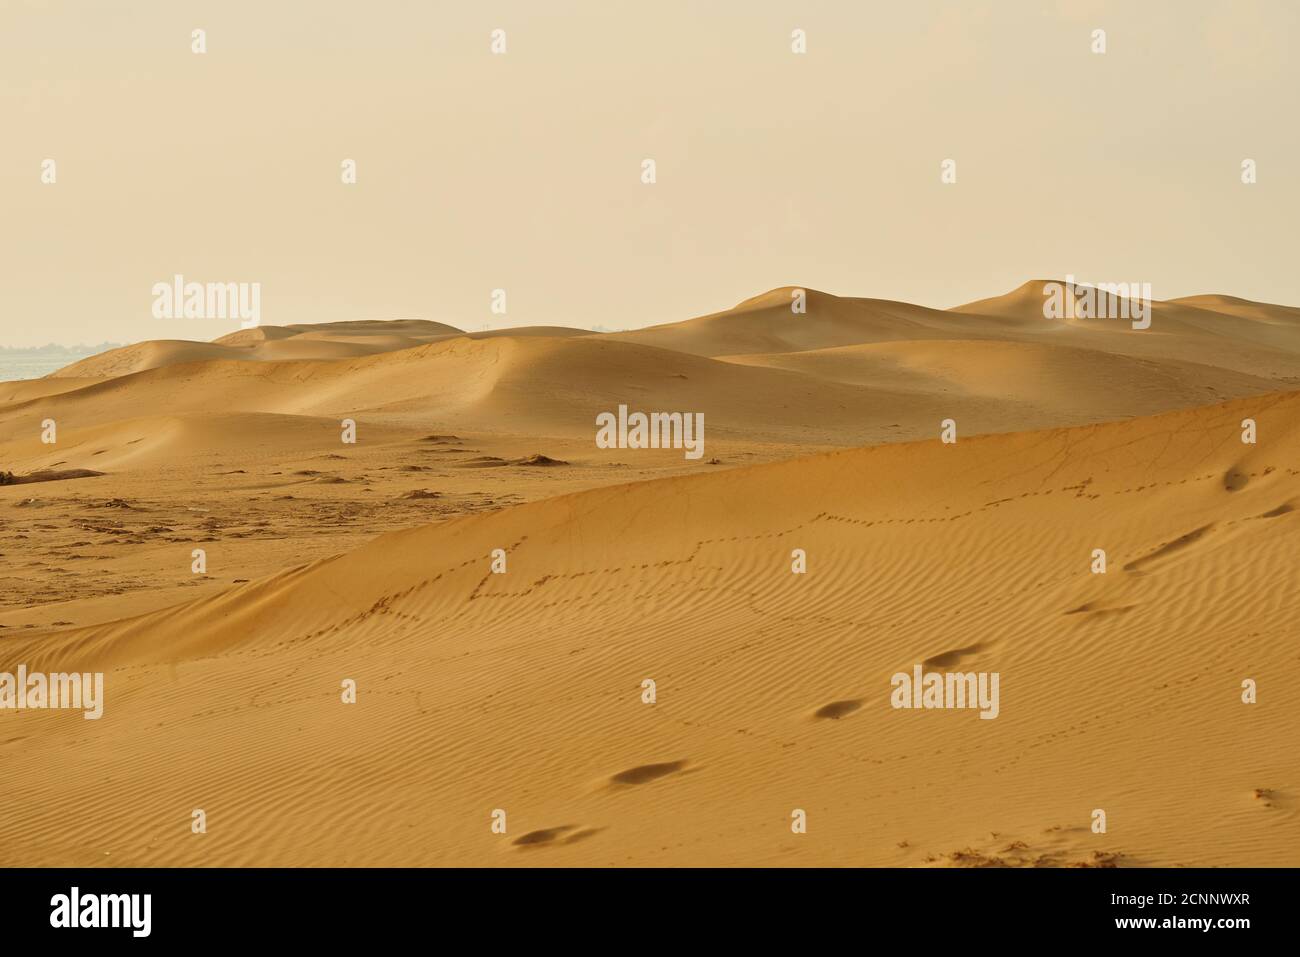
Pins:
x: 651, y: 906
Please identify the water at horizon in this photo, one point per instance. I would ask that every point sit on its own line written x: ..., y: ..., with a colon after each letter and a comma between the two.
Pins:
x: 14, y: 367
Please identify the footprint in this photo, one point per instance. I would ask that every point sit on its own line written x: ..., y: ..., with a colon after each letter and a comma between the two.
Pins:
x: 949, y: 658
x: 1235, y: 479
x: 582, y: 835
x: 647, y: 772
x: 546, y: 835
x: 1272, y: 798
x: 1096, y: 609
x: 552, y: 836
x: 1282, y: 509
x: 838, y: 709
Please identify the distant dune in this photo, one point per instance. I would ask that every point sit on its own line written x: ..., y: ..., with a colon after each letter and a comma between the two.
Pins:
x: 1232, y: 306
x: 1253, y: 338
x: 327, y: 340
x: 848, y: 372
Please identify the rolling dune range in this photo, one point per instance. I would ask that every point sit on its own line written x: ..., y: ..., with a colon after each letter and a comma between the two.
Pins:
x: 522, y: 691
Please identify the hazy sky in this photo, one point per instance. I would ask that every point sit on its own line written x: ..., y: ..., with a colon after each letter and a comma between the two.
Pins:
x: 523, y: 171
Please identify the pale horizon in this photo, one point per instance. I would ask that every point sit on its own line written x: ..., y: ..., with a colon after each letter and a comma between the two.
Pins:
x: 522, y: 171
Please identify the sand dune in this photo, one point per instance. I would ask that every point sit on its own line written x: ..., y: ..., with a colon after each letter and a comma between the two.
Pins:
x: 332, y: 340
x: 522, y: 691
x: 851, y: 371
x: 141, y: 356
x: 538, y: 385
x: 323, y: 341
x: 357, y: 328
x: 1251, y: 338
x: 766, y: 324
x: 1052, y: 383
x: 23, y: 390
x: 552, y: 332
x: 1245, y: 308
